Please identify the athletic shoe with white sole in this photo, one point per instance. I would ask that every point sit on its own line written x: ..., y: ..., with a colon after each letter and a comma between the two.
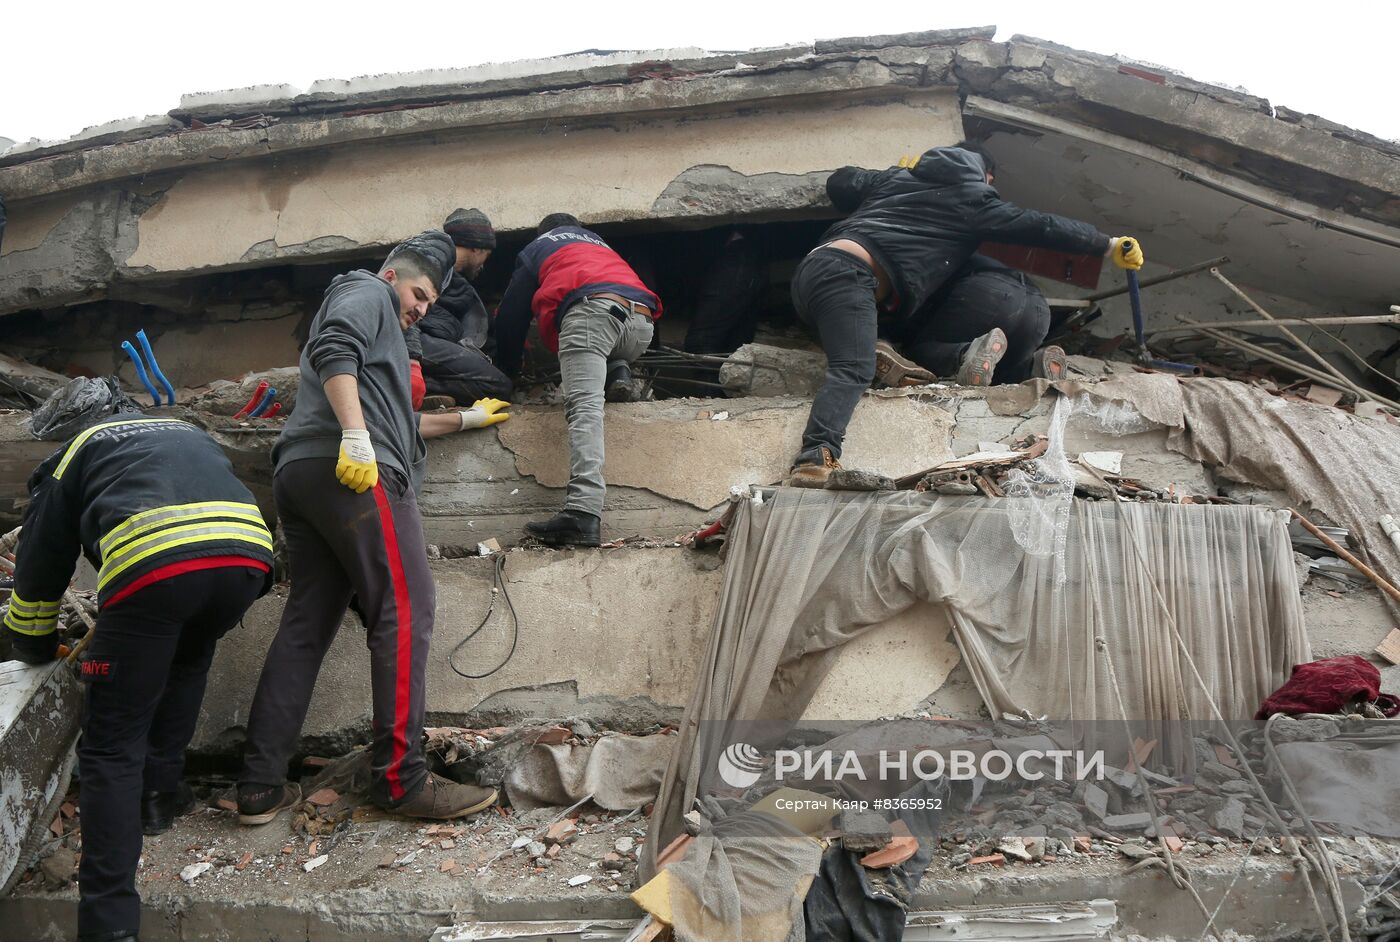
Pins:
x: 981, y: 359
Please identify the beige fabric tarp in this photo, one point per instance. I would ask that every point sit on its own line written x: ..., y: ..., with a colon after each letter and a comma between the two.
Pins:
x: 1346, y: 467
x: 809, y: 570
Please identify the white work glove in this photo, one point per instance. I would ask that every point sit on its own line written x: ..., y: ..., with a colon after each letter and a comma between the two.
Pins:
x: 356, y: 467
x: 484, y: 412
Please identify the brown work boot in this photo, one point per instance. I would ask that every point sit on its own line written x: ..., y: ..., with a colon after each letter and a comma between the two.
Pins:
x: 441, y: 798
x: 891, y: 369
x: 1050, y: 363
x: 813, y: 473
x: 981, y: 359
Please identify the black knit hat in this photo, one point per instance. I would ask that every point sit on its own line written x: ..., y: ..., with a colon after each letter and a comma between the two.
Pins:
x: 470, y: 229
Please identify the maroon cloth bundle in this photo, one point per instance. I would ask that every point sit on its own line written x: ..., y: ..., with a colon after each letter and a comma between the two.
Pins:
x: 1327, y: 686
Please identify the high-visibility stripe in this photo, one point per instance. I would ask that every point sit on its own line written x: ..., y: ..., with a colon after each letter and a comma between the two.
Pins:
x: 148, y: 520
x: 164, y: 540
x: 22, y: 607
x: 403, y: 659
x: 33, y: 628
x: 88, y: 433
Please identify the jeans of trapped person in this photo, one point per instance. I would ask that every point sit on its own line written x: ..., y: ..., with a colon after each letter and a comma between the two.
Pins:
x: 339, y: 543
x: 462, y: 372
x: 940, y: 332
x: 145, y: 673
x: 834, y: 294
x: 596, y: 335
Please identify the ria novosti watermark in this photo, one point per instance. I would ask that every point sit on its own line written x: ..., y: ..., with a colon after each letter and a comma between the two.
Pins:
x: 741, y: 765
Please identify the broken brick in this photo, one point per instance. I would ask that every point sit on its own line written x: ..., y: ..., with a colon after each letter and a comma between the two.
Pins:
x: 561, y: 832
x: 1175, y: 844
x: 1083, y: 844
x: 227, y: 804
x: 553, y: 736
x: 447, y: 866
x: 996, y: 860
x: 899, y: 849
x: 244, y: 861
x: 387, y: 859
x: 323, y: 797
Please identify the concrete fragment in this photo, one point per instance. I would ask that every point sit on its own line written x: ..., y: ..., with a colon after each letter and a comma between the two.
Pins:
x: 59, y: 868
x: 580, y: 880
x: 536, y: 849
x: 1136, y: 851
x: 315, y: 862
x: 611, y: 862
x: 757, y: 369
x: 863, y: 831
x: 1230, y: 818
x: 195, y: 870
x: 1096, y: 800
x: 1127, y: 822
x: 625, y: 845
x: 1014, y: 848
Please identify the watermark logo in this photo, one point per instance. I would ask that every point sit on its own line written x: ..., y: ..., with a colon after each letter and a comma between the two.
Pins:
x: 740, y: 765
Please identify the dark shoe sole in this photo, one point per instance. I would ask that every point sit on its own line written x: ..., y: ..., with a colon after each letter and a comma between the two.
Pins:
x: 893, y: 370
x: 554, y: 539
x: 291, y: 796
x: 1051, y: 364
x: 980, y: 362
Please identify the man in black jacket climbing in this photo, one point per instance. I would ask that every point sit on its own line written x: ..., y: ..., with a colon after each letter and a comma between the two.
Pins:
x: 453, y: 337
x: 911, y: 239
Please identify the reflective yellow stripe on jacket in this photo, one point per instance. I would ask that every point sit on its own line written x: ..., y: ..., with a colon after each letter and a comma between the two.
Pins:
x: 31, y: 618
x: 161, y: 529
x: 78, y: 442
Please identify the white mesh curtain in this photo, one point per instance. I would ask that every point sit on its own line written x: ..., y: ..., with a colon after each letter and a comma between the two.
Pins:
x: 809, y: 570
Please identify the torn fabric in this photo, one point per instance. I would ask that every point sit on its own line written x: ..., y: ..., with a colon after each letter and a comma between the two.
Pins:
x: 810, y: 570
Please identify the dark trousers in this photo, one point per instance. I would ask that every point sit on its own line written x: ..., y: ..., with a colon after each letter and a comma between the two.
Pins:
x: 146, y: 669
x: 462, y: 372
x: 963, y: 310
x: 339, y: 543
x: 834, y: 294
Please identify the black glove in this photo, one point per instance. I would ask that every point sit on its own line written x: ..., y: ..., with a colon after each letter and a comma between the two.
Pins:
x: 32, y: 649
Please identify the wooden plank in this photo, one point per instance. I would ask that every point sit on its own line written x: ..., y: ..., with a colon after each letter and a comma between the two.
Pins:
x: 1389, y: 648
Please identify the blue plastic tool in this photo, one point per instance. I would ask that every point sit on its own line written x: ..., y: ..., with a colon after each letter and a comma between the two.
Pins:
x: 262, y: 407
x: 141, y: 371
x: 155, y: 367
x: 1145, y: 355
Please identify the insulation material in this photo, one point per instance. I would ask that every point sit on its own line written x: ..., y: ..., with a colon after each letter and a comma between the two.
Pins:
x: 810, y: 570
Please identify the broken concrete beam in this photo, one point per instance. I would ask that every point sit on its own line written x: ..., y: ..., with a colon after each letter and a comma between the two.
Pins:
x: 39, y: 711
x: 863, y: 831
x: 932, y: 37
x: 757, y: 369
x: 226, y: 398
x: 32, y: 381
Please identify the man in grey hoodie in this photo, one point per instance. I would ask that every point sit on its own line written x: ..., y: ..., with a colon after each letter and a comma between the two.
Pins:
x: 354, y: 424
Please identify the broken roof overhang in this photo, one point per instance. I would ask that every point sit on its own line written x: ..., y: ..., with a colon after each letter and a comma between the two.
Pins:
x: 1236, y: 134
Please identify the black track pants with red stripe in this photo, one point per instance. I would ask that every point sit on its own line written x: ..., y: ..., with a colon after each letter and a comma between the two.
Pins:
x: 339, y: 543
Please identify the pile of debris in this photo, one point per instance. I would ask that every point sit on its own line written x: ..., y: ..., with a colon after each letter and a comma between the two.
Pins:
x: 77, y: 613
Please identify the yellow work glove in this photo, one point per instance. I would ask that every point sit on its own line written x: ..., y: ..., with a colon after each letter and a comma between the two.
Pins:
x: 1126, y: 252
x: 356, y: 468
x: 484, y: 412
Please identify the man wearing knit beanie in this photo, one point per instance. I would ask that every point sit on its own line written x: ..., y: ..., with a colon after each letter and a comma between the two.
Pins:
x: 456, y: 333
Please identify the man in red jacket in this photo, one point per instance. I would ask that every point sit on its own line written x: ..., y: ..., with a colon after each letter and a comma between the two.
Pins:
x: 596, y: 313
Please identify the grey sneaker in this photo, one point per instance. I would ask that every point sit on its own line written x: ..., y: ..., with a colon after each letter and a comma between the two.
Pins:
x: 441, y: 799
x: 1050, y: 363
x: 981, y: 359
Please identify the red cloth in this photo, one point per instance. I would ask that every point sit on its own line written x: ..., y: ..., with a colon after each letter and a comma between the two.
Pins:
x: 1327, y: 686
x: 416, y: 387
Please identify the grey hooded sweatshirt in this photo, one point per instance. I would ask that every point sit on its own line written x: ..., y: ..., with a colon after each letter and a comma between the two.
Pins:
x: 356, y: 331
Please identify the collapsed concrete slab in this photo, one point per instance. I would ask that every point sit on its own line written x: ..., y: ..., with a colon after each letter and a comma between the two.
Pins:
x: 39, y: 712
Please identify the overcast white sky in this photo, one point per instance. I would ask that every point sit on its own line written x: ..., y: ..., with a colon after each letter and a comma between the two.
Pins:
x: 69, y: 66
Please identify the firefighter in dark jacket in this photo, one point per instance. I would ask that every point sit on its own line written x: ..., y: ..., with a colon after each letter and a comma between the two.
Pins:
x: 181, y: 551
x: 907, y: 249
x: 452, y: 339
